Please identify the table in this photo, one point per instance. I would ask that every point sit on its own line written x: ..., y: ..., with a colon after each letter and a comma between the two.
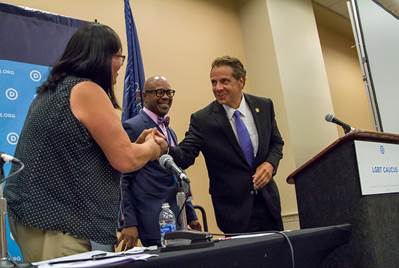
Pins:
x: 311, y: 247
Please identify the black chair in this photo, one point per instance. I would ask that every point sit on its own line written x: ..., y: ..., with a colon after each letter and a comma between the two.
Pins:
x: 203, y: 215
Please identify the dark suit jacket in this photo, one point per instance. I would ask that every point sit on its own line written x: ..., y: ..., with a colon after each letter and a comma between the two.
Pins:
x: 144, y: 191
x: 229, y: 173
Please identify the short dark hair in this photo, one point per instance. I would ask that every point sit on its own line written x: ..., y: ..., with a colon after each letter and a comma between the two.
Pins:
x: 235, y: 64
x: 88, y: 54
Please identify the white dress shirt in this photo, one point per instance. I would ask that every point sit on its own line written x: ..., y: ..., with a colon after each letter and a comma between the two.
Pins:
x: 247, y: 118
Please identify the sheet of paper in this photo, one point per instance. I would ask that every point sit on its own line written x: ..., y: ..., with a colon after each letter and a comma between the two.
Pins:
x: 117, y: 257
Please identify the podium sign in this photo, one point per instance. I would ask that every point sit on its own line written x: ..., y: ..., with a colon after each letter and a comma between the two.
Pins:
x: 378, y: 165
x: 355, y: 180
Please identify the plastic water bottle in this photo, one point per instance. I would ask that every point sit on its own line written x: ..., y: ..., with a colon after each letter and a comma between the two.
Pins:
x: 167, y: 222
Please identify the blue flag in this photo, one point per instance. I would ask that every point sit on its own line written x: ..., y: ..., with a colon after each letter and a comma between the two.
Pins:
x: 134, y: 76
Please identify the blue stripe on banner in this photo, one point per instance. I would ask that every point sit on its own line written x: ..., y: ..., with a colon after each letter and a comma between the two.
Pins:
x: 31, y: 38
x: 43, y: 16
x: 134, y: 76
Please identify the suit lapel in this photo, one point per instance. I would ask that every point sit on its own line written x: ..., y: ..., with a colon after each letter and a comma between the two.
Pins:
x: 148, y: 122
x: 172, y: 135
x: 224, y: 123
x: 257, y: 112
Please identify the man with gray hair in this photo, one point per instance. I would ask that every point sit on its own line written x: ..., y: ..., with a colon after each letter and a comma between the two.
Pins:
x: 242, y: 146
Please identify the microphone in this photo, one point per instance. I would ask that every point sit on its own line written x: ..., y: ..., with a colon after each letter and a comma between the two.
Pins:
x: 7, y: 158
x: 166, y: 161
x: 330, y: 118
x: 4, y: 158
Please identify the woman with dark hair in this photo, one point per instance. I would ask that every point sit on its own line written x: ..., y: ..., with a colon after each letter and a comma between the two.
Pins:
x: 73, y: 146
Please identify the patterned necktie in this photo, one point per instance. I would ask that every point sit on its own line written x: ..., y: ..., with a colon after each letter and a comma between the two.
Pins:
x: 164, y: 120
x: 243, y: 138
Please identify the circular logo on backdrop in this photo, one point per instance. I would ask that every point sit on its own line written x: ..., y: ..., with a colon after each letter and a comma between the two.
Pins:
x: 11, y: 93
x: 12, y: 138
x: 35, y: 75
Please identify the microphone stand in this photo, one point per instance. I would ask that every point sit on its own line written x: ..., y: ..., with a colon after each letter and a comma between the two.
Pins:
x: 184, y: 238
x: 4, y: 261
x: 181, y: 199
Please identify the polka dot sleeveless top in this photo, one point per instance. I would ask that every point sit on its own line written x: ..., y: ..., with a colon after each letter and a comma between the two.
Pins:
x: 68, y: 184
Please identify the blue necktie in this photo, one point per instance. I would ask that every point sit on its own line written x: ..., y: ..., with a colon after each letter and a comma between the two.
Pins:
x: 243, y: 138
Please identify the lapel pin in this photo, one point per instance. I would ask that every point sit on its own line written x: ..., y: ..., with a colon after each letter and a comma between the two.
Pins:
x: 257, y: 110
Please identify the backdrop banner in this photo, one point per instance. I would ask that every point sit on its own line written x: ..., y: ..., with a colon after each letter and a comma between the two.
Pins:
x: 31, y: 41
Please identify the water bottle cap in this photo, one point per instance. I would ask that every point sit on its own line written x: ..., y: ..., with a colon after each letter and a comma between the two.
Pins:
x: 165, y: 205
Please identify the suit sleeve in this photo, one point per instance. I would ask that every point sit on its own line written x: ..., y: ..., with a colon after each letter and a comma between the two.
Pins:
x: 190, y: 212
x: 127, y: 213
x: 276, y: 143
x: 189, y: 148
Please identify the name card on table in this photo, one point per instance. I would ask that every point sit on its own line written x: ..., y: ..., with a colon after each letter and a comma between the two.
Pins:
x: 378, y: 165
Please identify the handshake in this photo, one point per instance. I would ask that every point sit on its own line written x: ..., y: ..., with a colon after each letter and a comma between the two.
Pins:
x: 155, y: 138
x: 155, y: 141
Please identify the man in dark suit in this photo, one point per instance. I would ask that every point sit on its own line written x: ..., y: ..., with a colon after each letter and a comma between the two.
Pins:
x: 144, y: 191
x: 238, y: 136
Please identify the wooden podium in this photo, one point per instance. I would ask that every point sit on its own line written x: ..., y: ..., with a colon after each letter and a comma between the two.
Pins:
x: 328, y: 192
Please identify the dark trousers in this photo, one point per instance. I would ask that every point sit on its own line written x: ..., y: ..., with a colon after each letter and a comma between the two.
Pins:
x: 261, y: 218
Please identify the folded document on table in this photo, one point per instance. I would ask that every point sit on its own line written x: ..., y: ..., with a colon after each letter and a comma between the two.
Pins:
x: 96, y: 258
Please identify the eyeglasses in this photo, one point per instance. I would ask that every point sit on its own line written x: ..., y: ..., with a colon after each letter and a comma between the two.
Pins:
x: 161, y: 91
x: 122, y: 57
